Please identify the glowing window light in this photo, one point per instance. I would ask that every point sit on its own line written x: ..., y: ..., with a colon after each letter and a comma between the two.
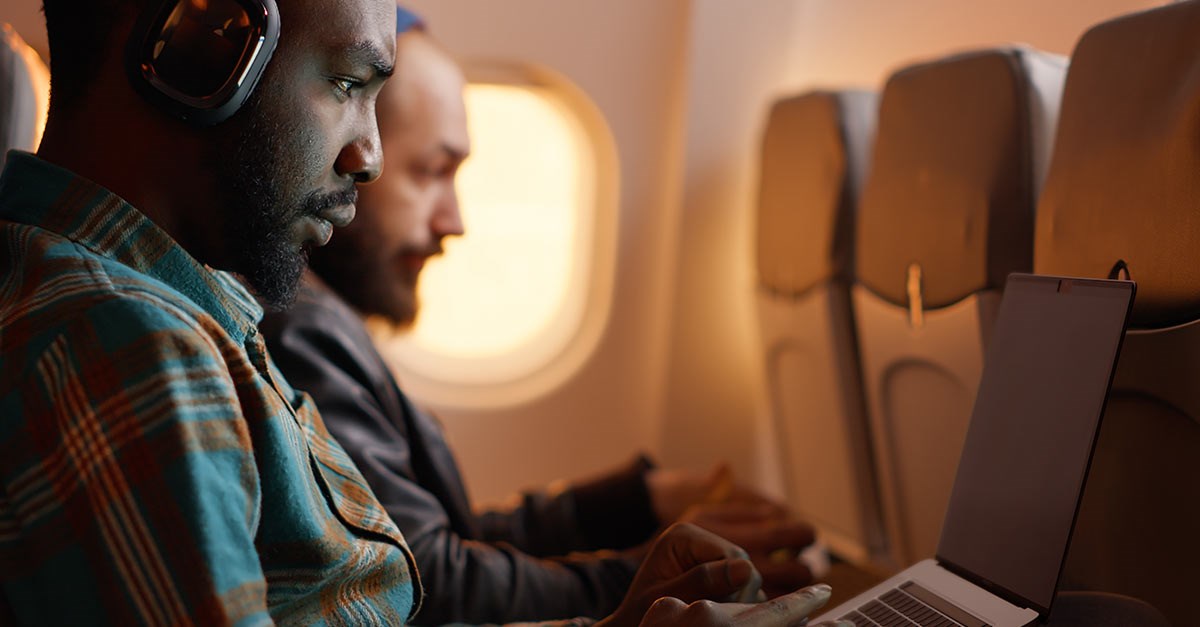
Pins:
x: 39, y: 76
x: 505, y: 286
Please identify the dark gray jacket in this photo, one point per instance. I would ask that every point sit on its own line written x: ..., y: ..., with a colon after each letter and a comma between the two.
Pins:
x: 493, y: 567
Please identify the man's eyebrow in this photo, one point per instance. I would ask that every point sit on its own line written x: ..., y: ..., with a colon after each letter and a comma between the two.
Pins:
x: 365, y: 52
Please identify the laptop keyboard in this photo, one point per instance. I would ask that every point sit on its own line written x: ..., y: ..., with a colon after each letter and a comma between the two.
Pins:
x: 908, y: 605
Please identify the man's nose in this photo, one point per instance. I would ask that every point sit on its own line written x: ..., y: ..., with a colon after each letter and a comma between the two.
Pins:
x: 362, y: 159
x: 447, y: 218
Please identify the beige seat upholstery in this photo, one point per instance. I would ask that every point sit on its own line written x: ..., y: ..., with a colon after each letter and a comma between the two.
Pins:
x: 814, y: 153
x: 1125, y: 184
x: 946, y: 214
x: 24, y: 93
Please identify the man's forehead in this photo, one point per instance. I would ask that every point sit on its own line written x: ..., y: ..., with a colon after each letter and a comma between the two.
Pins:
x: 342, y: 26
x: 427, y: 69
x: 432, y: 122
x: 428, y: 84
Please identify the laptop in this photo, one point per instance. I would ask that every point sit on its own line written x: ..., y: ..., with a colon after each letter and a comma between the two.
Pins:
x: 1020, y: 478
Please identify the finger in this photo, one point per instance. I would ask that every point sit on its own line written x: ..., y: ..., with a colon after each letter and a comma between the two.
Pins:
x: 689, y: 545
x: 791, y: 535
x: 734, y: 579
x: 789, y: 608
x: 664, y: 611
x: 783, y: 577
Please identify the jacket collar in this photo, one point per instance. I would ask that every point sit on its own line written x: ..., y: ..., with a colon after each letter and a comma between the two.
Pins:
x: 38, y: 193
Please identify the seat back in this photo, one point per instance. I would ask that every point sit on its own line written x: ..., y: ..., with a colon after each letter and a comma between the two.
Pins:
x: 946, y: 214
x: 814, y: 153
x: 1125, y: 184
x: 24, y: 93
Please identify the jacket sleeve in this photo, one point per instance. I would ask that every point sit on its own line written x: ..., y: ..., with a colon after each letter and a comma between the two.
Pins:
x: 612, y: 511
x: 329, y: 355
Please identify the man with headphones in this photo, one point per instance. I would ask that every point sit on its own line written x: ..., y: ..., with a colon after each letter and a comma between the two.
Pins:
x: 155, y: 467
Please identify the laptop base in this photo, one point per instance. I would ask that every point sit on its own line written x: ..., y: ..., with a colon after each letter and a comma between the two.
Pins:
x: 986, y: 608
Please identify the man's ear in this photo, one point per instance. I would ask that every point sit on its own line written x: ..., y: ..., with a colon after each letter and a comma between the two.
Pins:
x: 200, y: 63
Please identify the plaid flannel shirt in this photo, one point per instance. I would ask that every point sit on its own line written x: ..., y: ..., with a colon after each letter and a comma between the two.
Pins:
x: 155, y: 468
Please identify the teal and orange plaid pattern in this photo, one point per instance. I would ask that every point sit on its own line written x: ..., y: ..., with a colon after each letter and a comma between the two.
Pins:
x: 154, y: 467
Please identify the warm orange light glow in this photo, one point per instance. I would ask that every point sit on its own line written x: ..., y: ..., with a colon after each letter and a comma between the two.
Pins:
x: 39, y: 74
x: 496, y: 289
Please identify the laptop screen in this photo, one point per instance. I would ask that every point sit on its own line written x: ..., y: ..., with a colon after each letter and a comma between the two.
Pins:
x: 1037, y: 414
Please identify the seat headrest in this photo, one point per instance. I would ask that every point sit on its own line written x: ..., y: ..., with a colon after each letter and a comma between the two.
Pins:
x: 814, y: 154
x: 24, y: 93
x: 1125, y: 179
x: 961, y: 144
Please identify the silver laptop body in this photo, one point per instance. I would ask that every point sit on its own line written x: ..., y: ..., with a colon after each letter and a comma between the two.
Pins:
x: 1021, y: 475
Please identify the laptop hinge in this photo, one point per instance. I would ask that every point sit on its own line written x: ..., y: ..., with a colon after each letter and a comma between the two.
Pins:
x: 996, y: 589
x: 942, y: 605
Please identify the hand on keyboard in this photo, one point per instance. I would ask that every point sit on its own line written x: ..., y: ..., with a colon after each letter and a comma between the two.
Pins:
x: 789, y: 609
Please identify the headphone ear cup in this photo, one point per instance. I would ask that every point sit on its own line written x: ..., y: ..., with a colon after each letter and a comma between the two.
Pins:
x: 200, y: 60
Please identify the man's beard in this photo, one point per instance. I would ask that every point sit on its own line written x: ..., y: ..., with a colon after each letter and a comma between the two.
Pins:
x: 366, y: 279
x: 262, y: 175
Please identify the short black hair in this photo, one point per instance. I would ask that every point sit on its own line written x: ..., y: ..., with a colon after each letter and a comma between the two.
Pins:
x: 80, y: 33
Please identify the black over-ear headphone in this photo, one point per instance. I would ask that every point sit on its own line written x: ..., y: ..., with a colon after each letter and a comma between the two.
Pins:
x: 200, y: 59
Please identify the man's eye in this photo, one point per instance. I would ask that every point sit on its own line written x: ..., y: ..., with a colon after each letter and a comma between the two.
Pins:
x: 439, y: 169
x: 423, y: 171
x: 343, y: 87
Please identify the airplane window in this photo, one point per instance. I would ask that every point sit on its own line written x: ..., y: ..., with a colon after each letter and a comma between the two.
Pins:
x: 520, y: 195
x: 39, y: 79
x: 513, y: 294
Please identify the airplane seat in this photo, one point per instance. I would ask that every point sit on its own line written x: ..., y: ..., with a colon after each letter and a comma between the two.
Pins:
x: 1102, y: 609
x: 946, y: 214
x: 1125, y: 185
x: 814, y: 153
x: 24, y: 93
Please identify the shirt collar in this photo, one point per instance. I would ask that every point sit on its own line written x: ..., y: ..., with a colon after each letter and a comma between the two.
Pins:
x: 38, y: 193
